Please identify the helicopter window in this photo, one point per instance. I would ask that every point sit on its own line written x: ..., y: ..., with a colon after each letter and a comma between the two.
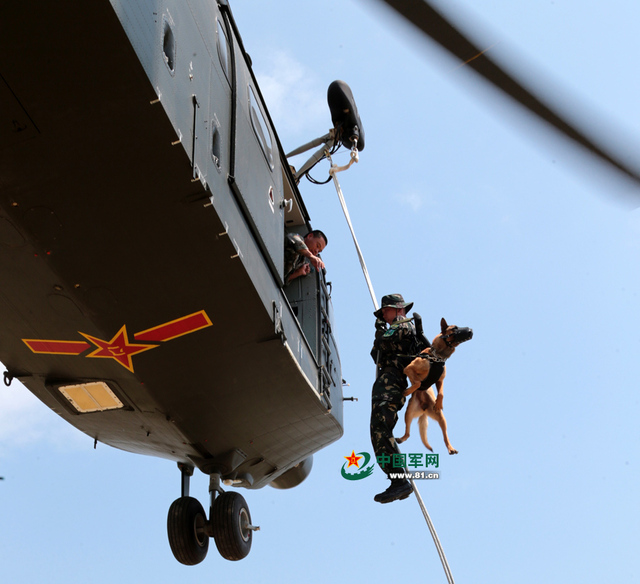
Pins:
x: 169, y: 47
x: 223, y: 49
x: 261, y: 128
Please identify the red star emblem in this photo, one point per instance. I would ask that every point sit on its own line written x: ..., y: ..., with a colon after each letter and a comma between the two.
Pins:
x: 353, y: 459
x: 117, y: 348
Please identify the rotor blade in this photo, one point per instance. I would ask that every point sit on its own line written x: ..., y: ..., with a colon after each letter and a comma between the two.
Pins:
x: 441, y: 30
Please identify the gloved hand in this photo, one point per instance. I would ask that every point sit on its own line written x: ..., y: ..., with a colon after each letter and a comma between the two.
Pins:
x: 423, y: 342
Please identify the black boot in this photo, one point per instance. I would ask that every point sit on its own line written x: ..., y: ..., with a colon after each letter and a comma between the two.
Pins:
x: 398, y: 490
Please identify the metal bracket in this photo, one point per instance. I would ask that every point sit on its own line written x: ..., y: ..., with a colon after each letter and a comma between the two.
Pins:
x: 277, y: 322
x: 287, y: 203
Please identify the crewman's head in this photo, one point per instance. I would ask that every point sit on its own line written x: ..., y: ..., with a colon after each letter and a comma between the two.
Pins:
x: 316, y: 241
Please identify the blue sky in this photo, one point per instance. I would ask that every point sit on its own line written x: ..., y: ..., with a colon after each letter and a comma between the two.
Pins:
x: 474, y: 212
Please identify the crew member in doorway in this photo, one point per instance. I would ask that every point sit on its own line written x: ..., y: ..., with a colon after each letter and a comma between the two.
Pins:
x: 300, y: 254
x: 395, y: 343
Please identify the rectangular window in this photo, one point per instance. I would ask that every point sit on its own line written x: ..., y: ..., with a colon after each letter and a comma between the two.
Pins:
x: 261, y: 128
x: 223, y: 50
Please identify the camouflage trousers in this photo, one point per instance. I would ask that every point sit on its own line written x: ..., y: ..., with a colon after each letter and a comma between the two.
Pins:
x: 386, y: 401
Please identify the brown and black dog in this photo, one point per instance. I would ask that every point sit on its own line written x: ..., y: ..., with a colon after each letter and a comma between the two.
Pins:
x: 428, y: 369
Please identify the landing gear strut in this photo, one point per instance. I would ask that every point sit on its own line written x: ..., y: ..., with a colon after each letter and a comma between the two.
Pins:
x: 229, y: 523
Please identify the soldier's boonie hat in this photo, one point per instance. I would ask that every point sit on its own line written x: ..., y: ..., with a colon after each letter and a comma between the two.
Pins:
x: 393, y: 301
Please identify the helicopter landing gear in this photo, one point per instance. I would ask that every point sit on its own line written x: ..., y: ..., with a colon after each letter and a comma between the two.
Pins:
x: 187, y: 525
x: 229, y: 523
x: 187, y: 530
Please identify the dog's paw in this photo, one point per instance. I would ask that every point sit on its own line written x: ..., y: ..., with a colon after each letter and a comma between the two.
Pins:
x: 401, y: 440
x: 453, y: 451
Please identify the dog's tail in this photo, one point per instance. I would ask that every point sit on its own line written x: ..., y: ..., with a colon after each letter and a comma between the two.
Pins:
x: 423, y: 422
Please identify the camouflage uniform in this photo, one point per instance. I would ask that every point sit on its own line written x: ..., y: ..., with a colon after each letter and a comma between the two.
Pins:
x: 293, y: 245
x: 392, y: 350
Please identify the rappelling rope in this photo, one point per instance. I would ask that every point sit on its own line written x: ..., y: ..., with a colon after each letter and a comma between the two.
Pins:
x: 332, y: 172
x: 432, y: 529
x: 434, y: 535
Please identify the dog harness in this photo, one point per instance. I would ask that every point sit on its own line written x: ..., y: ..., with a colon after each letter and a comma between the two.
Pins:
x: 435, y: 371
x: 437, y: 367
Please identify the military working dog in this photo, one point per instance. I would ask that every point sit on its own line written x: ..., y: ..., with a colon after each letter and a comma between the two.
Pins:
x: 428, y: 369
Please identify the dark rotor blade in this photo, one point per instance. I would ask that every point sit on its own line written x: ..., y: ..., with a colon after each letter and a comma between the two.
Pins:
x: 435, y: 25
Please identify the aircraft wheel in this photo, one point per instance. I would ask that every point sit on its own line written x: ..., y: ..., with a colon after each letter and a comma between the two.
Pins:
x: 186, y: 527
x: 231, y: 523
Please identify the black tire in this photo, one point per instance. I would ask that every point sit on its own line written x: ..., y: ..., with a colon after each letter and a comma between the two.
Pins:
x: 186, y: 526
x: 230, y: 523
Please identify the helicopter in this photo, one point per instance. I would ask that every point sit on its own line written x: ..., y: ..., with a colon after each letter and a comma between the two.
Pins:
x: 105, y: 294
x: 144, y: 207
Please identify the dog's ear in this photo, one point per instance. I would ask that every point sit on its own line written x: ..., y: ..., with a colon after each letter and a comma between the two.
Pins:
x: 443, y: 326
